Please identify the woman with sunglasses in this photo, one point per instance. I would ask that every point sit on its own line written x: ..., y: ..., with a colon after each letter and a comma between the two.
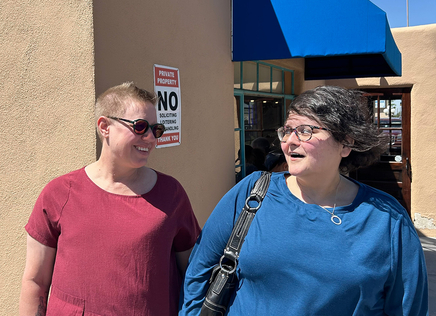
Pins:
x: 112, y: 238
x: 321, y: 243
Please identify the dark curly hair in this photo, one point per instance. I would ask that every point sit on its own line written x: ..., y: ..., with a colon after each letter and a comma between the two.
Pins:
x: 347, y: 115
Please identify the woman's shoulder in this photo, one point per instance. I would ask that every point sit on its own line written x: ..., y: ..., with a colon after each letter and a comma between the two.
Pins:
x: 164, y: 177
x: 57, y: 191
x: 251, y: 179
x: 248, y: 181
x: 379, y: 199
x: 65, y: 180
x: 167, y: 182
x: 244, y: 187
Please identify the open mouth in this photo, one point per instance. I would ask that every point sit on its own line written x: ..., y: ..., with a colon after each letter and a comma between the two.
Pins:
x: 296, y: 155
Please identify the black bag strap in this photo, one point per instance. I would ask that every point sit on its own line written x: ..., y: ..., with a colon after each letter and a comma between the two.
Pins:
x: 233, y: 248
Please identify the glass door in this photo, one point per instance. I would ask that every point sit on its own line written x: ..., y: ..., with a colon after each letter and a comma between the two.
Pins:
x: 393, y: 173
x: 262, y: 117
x: 257, y: 119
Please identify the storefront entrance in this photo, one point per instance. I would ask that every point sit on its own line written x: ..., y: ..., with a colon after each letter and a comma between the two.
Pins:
x: 262, y: 93
x: 393, y: 173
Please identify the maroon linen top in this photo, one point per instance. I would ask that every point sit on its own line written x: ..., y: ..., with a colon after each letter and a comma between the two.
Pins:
x: 115, y: 253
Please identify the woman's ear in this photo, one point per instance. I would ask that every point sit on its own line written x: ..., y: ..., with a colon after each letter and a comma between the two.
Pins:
x: 103, y: 126
x: 346, y: 146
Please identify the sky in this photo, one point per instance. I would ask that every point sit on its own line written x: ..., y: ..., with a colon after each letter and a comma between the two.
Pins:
x: 420, y: 11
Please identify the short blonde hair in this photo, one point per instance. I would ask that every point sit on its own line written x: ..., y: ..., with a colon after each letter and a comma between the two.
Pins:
x: 115, y: 100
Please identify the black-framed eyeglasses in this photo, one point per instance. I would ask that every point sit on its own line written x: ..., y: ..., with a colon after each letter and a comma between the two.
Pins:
x: 140, y: 126
x: 303, y: 132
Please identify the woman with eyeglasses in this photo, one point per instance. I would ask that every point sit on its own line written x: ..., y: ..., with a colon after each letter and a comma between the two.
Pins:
x: 321, y: 243
x: 114, y: 237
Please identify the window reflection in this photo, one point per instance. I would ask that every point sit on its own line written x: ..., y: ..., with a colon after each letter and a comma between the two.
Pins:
x: 389, y: 110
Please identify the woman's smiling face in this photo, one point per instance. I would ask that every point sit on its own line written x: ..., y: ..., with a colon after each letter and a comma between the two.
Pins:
x: 130, y: 148
x: 319, y: 156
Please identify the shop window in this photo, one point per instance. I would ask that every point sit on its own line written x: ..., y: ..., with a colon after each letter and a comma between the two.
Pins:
x: 260, y: 108
x: 277, y: 81
x: 264, y: 78
x: 262, y: 117
x: 389, y: 111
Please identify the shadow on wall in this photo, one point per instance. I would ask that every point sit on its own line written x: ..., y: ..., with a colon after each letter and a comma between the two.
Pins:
x: 98, y: 146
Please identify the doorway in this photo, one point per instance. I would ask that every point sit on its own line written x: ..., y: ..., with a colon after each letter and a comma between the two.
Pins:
x: 257, y: 119
x: 262, y: 92
x: 392, y: 174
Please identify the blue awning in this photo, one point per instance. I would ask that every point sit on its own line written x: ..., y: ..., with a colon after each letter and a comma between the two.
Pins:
x: 337, y: 38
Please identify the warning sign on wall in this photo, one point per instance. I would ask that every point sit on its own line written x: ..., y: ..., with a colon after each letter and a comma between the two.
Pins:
x: 167, y: 87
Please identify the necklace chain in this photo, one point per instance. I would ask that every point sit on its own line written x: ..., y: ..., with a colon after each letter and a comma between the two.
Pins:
x: 334, y: 218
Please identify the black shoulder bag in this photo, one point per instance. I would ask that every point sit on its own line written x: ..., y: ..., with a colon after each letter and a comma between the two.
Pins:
x: 223, y: 281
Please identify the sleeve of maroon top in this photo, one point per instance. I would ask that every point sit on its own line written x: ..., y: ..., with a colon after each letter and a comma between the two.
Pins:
x: 188, y: 228
x: 43, y: 224
x: 170, y: 197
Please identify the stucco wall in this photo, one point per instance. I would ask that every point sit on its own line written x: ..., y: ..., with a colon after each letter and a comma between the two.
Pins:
x: 418, y: 48
x: 47, y: 93
x: 48, y: 90
x: 46, y: 103
x: 193, y: 36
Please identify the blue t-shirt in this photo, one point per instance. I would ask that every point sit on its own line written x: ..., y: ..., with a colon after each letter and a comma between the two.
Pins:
x: 295, y: 261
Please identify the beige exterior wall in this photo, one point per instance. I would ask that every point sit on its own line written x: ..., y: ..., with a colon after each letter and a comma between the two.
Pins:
x: 56, y: 56
x: 47, y: 92
x: 193, y: 36
x: 46, y: 97
x: 418, y: 48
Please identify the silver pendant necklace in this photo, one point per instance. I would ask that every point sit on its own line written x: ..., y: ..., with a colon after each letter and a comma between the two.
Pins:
x: 334, y: 218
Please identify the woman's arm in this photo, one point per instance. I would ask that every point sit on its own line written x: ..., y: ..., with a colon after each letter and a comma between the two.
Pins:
x: 407, y: 288
x: 36, y: 278
x: 210, y: 245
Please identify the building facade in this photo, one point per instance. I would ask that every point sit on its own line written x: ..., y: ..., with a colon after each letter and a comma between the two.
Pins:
x: 57, y: 57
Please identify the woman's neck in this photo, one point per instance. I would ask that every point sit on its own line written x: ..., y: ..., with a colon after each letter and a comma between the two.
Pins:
x: 121, y: 181
x: 321, y: 192
x: 334, y: 190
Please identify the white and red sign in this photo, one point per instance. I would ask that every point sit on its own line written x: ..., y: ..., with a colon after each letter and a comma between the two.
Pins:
x: 167, y: 87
